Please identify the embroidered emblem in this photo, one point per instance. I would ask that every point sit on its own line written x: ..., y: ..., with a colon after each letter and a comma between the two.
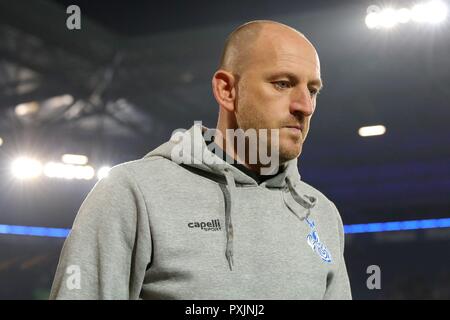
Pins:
x: 315, y: 244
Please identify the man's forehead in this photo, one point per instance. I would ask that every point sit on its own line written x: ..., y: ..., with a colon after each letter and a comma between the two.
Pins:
x: 286, y: 59
x: 286, y: 50
x: 295, y: 63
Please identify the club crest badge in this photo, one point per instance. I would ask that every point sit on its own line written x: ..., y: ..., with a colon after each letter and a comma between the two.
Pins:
x: 315, y: 244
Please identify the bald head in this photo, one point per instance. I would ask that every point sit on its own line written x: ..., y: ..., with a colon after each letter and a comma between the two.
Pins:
x: 268, y: 78
x: 252, y: 37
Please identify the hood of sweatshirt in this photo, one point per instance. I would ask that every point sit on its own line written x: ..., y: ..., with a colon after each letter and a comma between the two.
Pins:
x: 190, y: 150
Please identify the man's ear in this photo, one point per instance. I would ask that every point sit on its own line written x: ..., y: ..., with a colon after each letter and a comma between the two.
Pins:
x: 223, y: 83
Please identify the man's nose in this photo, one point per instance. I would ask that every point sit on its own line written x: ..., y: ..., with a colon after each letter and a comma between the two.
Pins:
x: 302, y: 102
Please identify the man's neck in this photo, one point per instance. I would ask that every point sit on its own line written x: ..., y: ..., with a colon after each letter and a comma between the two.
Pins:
x: 230, y: 154
x: 233, y: 154
x: 250, y: 171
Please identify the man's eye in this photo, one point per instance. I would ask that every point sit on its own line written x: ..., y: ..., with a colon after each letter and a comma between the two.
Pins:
x: 313, y: 92
x: 282, y: 84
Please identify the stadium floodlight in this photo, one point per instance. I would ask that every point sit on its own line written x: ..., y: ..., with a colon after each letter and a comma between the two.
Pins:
x: 372, y: 131
x: 433, y: 12
x: 54, y: 170
x: 27, y: 108
x: 68, y: 171
x: 85, y: 172
x: 388, y: 18
x: 74, y: 159
x: 59, y: 101
x: 372, y: 17
x: 103, y: 172
x: 403, y: 15
x: 26, y: 168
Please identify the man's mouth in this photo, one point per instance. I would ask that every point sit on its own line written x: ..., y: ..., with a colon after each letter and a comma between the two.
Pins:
x: 295, y: 128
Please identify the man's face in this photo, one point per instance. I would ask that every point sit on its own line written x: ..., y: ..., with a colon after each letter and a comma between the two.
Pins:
x: 278, y: 88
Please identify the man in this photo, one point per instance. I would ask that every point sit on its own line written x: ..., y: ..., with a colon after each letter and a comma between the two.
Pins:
x: 182, y: 223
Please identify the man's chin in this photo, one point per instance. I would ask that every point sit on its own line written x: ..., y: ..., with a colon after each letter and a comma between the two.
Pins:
x: 290, y: 153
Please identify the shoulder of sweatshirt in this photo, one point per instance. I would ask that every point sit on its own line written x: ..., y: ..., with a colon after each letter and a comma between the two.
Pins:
x: 149, y: 173
x: 141, y: 167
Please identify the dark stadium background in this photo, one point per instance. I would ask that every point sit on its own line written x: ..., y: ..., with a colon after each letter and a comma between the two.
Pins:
x: 137, y: 70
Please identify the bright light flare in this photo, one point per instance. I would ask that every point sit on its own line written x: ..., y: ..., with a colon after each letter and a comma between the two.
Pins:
x: 74, y: 159
x: 68, y: 171
x: 60, y: 101
x: 403, y: 15
x: 388, y: 18
x: 27, y: 108
x: 372, y: 131
x: 432, y: 12
x: 103, y: 172
x: 26, y: 168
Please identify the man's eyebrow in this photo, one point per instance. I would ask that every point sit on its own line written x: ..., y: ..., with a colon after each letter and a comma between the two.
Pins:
x: 292, y: 76
x: 318, y: 83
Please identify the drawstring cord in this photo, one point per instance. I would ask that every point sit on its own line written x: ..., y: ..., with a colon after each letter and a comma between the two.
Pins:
x: 231, y: 186
x: 307, y: 202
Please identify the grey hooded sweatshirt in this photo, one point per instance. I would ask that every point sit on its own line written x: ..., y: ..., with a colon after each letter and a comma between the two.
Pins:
x: 156, y: 228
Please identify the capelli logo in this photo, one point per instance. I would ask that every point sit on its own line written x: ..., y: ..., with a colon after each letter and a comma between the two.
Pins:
x: 213, y: 225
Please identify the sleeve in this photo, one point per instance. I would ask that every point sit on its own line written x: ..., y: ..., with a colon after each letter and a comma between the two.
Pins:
x: 109, y: 247
x: 338, y: 287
